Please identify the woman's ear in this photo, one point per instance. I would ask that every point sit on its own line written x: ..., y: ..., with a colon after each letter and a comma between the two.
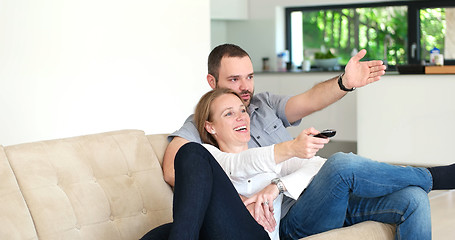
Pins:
x: 209, y: 127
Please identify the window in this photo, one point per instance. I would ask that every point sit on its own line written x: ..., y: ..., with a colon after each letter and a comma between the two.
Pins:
x: 397, y: 32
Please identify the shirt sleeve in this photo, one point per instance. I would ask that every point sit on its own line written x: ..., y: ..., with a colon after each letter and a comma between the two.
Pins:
x: 188, y: 131
x: 247, y: 163
x: 297, y: 174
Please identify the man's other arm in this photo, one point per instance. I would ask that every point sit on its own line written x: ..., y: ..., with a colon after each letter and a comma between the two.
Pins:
x: 317, y: 98
x: 168, y: 159
x: 357, y: 74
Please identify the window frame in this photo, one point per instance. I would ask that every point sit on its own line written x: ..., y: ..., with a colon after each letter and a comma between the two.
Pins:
x: 413, y: 21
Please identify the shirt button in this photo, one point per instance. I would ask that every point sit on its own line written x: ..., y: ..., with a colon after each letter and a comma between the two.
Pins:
x: 274, y: 126
x: 258, y: 137
x: 249, y: 181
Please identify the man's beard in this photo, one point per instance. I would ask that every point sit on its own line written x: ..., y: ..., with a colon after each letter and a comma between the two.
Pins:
x: 247, y: 102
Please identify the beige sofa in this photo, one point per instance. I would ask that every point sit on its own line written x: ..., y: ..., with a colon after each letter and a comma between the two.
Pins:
x: 100, y: 186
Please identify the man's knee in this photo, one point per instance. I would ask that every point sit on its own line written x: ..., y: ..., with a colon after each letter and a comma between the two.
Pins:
x: 416, y: 199
x: 344, y: 163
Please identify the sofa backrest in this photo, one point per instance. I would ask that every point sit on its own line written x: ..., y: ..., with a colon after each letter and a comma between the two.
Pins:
x: 15, y: 219
x: 101, y: 186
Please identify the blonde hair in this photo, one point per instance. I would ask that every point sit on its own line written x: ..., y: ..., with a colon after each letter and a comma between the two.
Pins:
x: 202, y: 113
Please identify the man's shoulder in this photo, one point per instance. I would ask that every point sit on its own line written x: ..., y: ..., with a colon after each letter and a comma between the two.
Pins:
x: 188, y: 131
x: 260, y: 98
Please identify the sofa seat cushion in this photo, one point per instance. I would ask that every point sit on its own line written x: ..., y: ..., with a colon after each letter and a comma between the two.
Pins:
x: 101, y: 186
x: 365, y: 230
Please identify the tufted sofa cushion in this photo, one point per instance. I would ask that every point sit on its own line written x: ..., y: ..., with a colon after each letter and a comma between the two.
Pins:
x: 101, y: 186
x: 15, y: 219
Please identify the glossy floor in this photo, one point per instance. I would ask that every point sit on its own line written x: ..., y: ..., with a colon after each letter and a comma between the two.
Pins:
x: 443, y: 214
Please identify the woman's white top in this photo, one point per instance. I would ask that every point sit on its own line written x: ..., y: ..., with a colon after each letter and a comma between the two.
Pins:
x: 252, y: 170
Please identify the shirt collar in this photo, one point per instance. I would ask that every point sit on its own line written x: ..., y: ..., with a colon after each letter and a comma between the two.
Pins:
x: 252, y: 108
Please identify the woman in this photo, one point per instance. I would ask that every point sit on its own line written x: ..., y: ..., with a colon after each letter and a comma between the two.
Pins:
x: 344, y: 190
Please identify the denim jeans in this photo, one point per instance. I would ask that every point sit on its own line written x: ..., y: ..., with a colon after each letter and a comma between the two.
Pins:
x: 206, y: 204
x: 350, y: 189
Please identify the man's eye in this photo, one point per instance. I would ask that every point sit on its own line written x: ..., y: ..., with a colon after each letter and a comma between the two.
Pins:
x: 250, y: 77
x: 234, y: 79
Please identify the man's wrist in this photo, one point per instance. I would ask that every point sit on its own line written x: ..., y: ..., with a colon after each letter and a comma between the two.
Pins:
x: 341, y: 85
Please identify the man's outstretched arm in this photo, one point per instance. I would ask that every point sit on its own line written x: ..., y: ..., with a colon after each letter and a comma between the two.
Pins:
x: 168, y: 159
x: 357, y: 74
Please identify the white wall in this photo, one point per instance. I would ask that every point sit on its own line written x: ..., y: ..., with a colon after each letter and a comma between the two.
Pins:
x: 79, y: 67
x: 407, y: 119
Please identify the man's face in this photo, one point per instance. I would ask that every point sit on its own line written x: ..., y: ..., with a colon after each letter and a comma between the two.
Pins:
x: 236, y: 73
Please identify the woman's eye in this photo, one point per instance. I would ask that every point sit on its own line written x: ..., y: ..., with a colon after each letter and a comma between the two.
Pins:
x: 228, y: 114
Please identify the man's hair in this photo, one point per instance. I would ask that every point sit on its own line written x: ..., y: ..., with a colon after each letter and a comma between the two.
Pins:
x: 203, y: 113
x: 224, y: 50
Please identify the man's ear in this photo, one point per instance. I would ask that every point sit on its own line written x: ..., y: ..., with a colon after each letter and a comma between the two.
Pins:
x: 209, y: 128
x: 211, y: 80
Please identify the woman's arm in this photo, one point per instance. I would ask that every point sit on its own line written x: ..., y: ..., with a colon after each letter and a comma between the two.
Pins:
x: 264, y: 159
x: 304, y: 146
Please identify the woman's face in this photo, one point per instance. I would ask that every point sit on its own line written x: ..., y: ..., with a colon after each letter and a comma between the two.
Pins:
x: 230, y: 123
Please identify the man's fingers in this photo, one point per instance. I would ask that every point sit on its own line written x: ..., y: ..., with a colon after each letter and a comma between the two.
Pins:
x: 375, y: 63
x: 359, y: 55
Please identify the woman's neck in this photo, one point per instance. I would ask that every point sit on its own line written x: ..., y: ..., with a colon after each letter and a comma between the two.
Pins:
x: 232, y: 148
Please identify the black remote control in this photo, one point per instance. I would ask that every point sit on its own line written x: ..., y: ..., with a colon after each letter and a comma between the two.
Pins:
x: 326, y: 133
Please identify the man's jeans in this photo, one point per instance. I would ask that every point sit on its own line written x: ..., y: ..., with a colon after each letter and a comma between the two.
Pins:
x: 350, y: 189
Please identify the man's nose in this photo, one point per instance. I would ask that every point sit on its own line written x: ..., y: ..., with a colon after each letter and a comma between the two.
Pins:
x: 243, y: 85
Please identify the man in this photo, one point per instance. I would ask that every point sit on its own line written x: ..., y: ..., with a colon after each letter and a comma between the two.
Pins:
x: 229, y: 66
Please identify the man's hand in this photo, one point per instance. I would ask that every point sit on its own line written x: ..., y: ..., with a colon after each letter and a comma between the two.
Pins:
x: 263, y: 206
x: 358, y: 74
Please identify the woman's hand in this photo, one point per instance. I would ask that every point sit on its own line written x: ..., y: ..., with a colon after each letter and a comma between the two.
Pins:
x: 268, y: 223
x: 263, y: 206
x: 303, y: 146
x: 306, y: 146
